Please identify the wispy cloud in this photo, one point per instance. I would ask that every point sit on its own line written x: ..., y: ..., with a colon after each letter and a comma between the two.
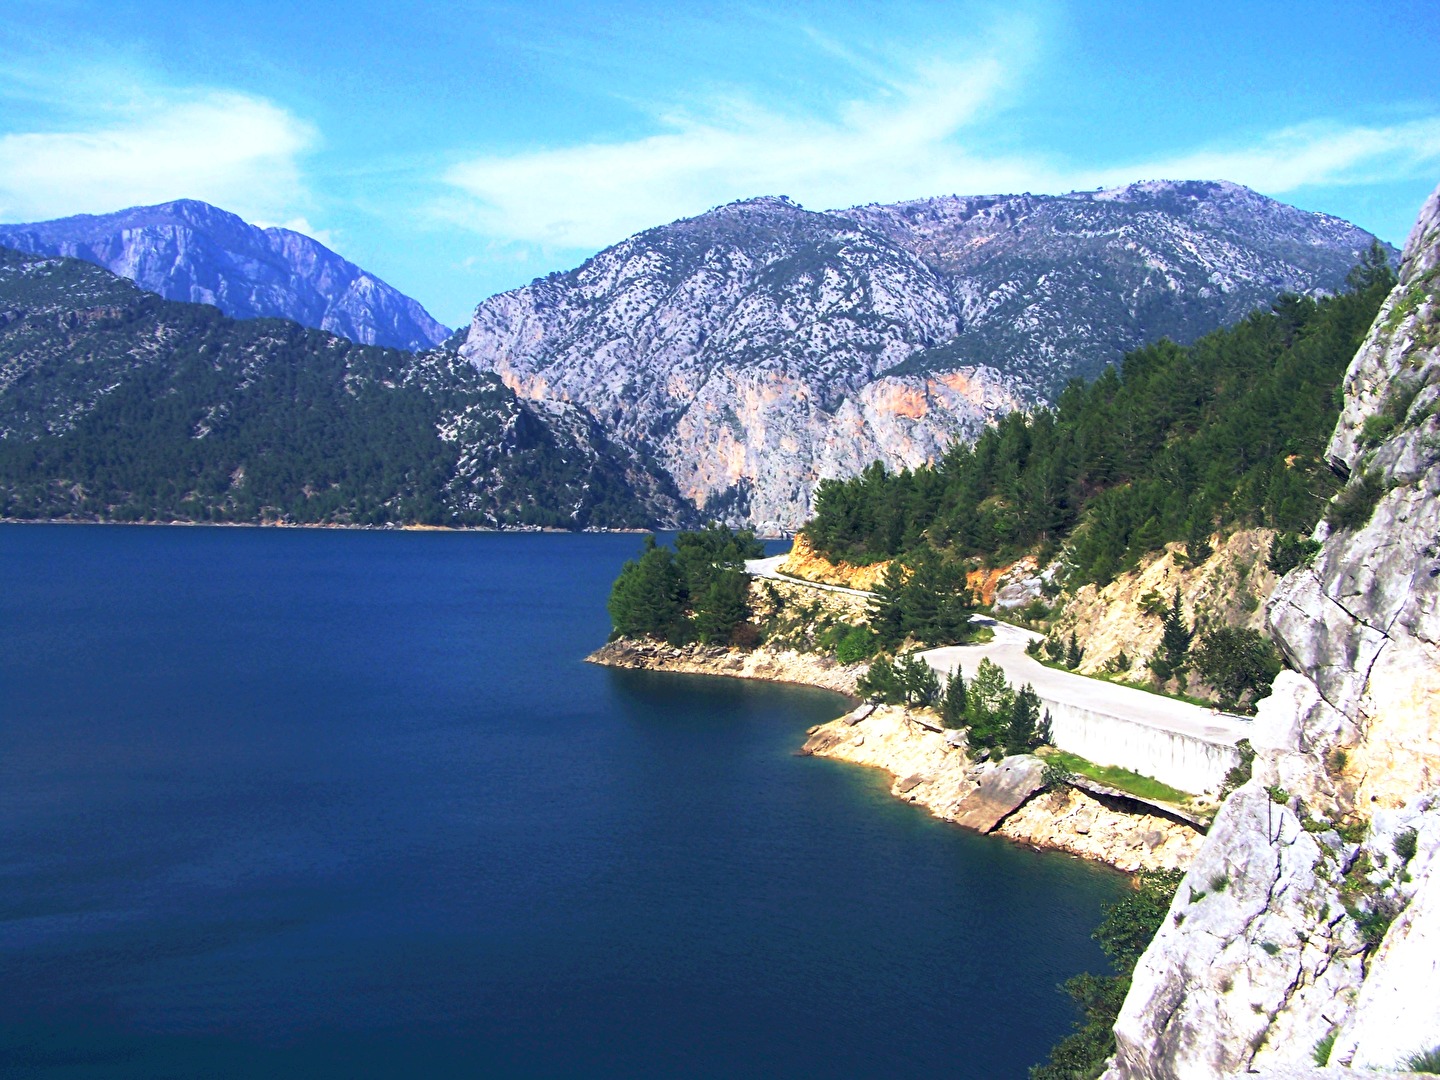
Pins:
x: 902, y: 140
x: 1321, y: 152
x: 928, y: 131
x: 236, y: 150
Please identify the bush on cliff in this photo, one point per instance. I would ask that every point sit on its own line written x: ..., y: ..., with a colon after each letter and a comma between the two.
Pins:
x: 1239, y: 663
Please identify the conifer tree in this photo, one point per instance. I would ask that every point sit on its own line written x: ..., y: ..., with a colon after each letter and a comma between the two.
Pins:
x: 1175, y: 637
x: 952, y: 703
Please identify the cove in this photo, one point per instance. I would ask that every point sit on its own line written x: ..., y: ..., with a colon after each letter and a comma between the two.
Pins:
x: 349, y: 804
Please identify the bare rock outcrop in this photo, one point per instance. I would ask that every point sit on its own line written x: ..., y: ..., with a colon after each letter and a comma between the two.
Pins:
x: 932, y: 769
x: 1308, y: 924
x: 803, y: 561
x: 1227, y: 589
x: 1001, y: 792
x: 760, y: 347
x: 1127, y: 837
x: 770, y: 665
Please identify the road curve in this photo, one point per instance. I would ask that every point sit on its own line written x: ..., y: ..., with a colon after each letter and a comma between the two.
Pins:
x: 770, y: 568
x: 1097, y: 695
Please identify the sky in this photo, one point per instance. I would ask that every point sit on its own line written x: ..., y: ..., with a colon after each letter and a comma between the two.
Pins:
x: 460, y: 149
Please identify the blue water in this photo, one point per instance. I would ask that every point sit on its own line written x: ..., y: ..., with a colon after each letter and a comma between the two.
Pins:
x: 343, y: 804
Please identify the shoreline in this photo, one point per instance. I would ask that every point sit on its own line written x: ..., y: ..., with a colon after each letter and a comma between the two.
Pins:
x: 932, y: 768
x: 412, y: 527
x: 762, y: 664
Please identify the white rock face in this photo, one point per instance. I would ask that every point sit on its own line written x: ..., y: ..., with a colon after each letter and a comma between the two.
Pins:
x: 1312, y: 937
x: 760, y: 348
x: 191, y: 251
x: 1397, y: 1013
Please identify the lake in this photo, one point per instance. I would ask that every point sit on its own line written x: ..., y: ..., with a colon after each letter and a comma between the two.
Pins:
x: 321, y: 803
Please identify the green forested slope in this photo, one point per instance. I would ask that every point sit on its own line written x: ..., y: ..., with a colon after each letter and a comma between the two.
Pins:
x: 118, y: 405
x: 1229, y: 430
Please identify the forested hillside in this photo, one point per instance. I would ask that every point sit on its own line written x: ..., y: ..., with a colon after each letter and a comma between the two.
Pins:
x: 1179, y: 441
x: 118, y: 405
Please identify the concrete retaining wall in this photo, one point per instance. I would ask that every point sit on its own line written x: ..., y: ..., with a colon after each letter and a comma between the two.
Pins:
x: 1183, y: 761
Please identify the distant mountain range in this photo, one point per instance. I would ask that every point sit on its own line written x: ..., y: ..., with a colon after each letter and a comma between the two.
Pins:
x: 118, y: 405
x: 760, y: 347
x: 733, y: 359
x: 192, y: 251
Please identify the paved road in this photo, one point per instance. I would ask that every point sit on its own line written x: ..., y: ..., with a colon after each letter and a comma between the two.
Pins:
x: 1008, y: 651
x: 1127, y: 703
x: 770, y: 568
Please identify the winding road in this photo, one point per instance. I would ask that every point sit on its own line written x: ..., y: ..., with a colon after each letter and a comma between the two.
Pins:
x: 1096, y: 696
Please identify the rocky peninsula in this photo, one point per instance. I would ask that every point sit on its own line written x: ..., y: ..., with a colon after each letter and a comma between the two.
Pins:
x: 932, y: 768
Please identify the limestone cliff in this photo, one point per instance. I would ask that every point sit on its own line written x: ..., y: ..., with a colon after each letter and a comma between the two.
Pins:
x: 1118, y: 633
x: 1309, y: 925
x: 760, y: 347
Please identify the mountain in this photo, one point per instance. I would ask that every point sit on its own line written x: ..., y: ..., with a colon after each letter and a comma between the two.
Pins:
x: 760, y: 347
x: 1308, y: 927
x: 189, y: 250
x: 116, y: 404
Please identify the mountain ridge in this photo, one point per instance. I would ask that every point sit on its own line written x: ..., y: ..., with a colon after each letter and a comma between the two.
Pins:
x: 761, y: 347
x: 191, y: 251
x: 119, y: 405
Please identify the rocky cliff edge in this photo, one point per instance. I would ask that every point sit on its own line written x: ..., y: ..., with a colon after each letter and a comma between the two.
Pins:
x: 1307, y: 931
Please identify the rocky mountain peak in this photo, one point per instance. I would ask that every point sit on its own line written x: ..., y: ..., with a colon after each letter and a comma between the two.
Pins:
x: 760, y: 347
x: 192, y: 251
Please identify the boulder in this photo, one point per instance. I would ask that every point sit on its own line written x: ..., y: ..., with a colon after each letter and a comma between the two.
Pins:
x: 1002, y: 791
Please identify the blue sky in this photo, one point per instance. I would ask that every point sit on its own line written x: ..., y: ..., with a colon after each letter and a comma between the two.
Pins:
x: 458, y: 149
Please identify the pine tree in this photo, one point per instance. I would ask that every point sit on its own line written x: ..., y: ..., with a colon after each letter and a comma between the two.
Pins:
x: 724, y: 605
x: 918, y: 681
x: 1175, y: 637
x: 1023, y: 722
x: 952, y: 703
x: 887, y: 606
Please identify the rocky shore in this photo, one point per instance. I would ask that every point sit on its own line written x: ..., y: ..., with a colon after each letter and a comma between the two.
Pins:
x: 769, y: 665
x: 932, y: 768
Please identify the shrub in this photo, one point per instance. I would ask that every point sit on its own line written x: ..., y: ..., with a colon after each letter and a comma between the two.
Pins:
x: 1336, y: 761
x: 1238, y: 662
x: 1055, y: 775
x: 1240, y: 774
x: 1324, y: 1046
x: 1289, y: 550
x: 1354, y: 506
x: 1405, y: 844
x: 859, y: 643
x: 1427, y: 1061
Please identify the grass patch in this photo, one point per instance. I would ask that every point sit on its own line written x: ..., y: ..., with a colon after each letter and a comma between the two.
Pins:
x: 1324, y: 1046
x: 1133, y: 783
x: 1427, y: 1062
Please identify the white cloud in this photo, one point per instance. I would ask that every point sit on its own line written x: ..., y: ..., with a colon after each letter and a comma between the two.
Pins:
x: 234, y: 150
x: 923, y: 134
x: 903, y: 140
x: 1309, y: 154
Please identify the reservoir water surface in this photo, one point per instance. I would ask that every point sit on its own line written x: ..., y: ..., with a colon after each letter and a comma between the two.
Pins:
x: 283, y: 803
